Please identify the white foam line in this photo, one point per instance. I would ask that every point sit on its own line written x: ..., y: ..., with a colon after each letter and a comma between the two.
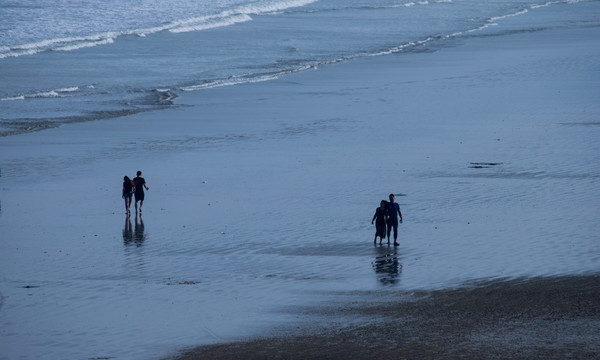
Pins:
x: 549, y: 3
x: 521, y: 12
x: 415, y: 3
x: 44, y: 94
x: 490, y: 22
x: 60, y: 44
x: 221, y: 83
x: 13, y: 98
x: 205, y: 25
x: 271, y: 7
x: 69, y: 89
x: 247, y: 80
x: 48, y: 94
x: 84, y: 45
x: 41, y: 95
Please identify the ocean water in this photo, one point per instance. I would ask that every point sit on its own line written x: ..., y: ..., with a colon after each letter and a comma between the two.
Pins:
x: 71, y: 61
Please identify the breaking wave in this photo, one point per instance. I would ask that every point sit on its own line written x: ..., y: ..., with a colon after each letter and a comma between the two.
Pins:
x: 228, y: 17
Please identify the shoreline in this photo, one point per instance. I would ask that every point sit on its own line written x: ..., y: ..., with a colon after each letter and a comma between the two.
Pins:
x: 541, y: 318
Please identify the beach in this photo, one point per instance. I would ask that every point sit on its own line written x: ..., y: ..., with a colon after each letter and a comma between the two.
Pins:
x: 546, y: 318
x: 256, y: 236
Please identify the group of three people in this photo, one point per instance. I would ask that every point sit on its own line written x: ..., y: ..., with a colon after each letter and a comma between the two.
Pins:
x: 131, y: 187
x: 386, y: 218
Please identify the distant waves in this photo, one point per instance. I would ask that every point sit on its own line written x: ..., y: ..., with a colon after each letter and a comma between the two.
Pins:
x: 111, y: 61
x: 235, y: 15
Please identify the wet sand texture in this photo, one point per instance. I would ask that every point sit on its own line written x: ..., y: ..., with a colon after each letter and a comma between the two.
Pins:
x: 546, y: 318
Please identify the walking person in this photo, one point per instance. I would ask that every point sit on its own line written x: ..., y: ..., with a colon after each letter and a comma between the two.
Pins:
x: 392, y: 220
x: 380, y: 218
x: 140, y: 184
x: 127, y: 193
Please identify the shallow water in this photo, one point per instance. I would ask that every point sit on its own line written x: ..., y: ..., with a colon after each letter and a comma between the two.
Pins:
x: 109, y: 59
x: 104, y: 285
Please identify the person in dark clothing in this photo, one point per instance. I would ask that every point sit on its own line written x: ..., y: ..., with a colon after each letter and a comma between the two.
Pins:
x: 392, y: 220
x: 127, y: 193
x: 380, y: 218
x: 140, y: 184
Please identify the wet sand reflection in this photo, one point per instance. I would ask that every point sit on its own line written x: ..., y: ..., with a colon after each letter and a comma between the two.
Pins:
x: 387, y: 265
x: 134, y: 235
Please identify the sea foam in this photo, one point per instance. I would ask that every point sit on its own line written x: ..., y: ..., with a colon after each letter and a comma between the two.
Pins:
x: 228, y: 17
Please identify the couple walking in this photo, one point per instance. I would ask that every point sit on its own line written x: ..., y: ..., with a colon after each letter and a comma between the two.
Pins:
x: 386, y: 215
x: 131, y: 187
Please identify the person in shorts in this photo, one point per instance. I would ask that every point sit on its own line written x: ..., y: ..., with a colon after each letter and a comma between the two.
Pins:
x: 127, y: 193
x: 140, y: 184
x: 392, y: 220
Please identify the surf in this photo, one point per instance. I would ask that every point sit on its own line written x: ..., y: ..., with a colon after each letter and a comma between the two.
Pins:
x: 227, y: 17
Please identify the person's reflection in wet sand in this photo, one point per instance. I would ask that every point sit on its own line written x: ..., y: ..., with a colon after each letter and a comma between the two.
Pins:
x: 135, y: 236
x: 127, y: 231
x: 133, y: 239
x: 138, y: 234
x: 387, y: 266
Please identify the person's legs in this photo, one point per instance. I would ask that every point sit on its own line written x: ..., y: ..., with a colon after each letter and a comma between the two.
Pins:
x: 389, y: 229
x: 396, y: 234
x: 379, y: 232
x: 140, y: 198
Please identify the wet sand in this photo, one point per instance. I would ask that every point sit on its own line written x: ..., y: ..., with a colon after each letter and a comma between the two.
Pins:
x: 542, y: 318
